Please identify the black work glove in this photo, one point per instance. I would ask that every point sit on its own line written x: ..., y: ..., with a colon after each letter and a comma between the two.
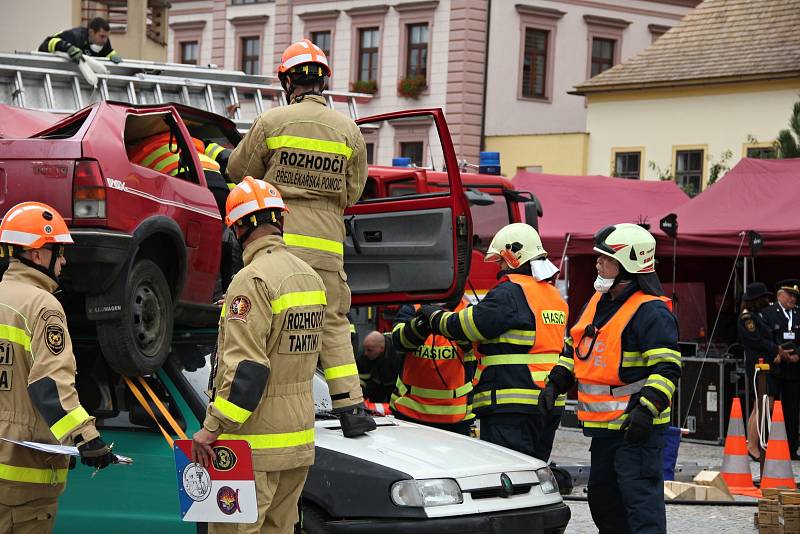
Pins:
x: 355, y: 420
x: 75, y: 53
x: 420, y: 325
x: 639, y: 425
x: 95, y: 453
x: 116, y: 59
x: 547, y: 398
x: 430, y: 312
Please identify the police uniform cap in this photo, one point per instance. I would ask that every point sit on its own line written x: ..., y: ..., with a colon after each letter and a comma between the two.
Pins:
x: 790, y: 285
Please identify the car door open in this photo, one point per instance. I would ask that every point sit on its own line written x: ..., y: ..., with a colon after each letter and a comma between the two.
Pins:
x: 405, y: 243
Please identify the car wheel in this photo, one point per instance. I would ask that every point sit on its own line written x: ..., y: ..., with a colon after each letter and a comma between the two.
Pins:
x: 313, y: 520
x: 138, y: 342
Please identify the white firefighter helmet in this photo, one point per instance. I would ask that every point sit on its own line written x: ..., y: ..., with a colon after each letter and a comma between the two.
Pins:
x: 630, y: 244
x: 517, y: 244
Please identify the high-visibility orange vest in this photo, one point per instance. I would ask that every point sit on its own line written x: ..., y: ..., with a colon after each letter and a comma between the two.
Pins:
x: 551, y: 313
x: 433, y: 385
x: 156, y: 153
x: 602, y: 395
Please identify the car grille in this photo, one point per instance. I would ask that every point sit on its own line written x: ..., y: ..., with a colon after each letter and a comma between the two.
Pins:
x: 492, y: 493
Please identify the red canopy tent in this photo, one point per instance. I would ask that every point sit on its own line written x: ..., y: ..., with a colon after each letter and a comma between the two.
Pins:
x: 579, y: 206
x: 757, y: 194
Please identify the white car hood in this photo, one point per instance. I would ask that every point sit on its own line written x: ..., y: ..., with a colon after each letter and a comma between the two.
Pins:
x: 420, y: 451
x: 423, y: 452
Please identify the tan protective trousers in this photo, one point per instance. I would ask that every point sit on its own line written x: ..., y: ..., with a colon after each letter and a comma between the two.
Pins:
x: 336, y: 353
x: 34, y: 517
x: 277, y: 493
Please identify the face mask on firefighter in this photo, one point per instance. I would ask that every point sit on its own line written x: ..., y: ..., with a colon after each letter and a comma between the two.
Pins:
x: 603, y: 285
x: 96, y: 48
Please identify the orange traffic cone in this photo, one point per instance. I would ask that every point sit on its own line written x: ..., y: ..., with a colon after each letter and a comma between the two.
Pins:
x: 735, y: 465
x: 778, y: 463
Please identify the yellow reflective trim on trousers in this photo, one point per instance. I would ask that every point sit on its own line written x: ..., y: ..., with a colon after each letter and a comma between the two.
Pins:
x: 32, y: 474
x: 231, y: 411
x: 297, y: 299
x: 275, y: 441
x: 68, y: 422
x: 316, y: 243
x: 15, y: 335
x: 307, y: 143
x: 341, y: 371
x: 51, y: 44
x: 508, y: 359
x: 468, y: 325
x: 430, y: 409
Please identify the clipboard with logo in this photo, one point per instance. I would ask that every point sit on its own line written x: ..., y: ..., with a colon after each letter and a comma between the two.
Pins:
x: 224, y: 492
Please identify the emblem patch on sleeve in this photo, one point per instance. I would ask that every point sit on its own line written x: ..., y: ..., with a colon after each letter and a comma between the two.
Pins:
x: 240, y: 307
x: 54, y: 337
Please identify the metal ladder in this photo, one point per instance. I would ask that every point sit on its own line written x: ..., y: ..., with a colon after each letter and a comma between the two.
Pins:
x: 47, y: 82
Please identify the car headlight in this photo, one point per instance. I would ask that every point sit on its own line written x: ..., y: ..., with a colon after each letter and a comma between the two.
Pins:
x: 546, y: 480
x: 433, y: 492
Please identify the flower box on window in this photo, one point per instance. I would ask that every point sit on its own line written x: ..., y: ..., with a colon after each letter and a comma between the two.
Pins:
x: 365, y: 86
x: 412, y: 87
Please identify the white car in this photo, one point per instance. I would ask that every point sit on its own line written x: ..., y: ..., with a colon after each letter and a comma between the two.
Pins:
x: 408, y: 478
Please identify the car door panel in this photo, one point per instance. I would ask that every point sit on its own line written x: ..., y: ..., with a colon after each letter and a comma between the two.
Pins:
x: 410, y: 248
x: 400, y: 251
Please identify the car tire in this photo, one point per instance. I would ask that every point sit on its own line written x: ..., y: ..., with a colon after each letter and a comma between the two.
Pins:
x: 314, y: 520
x: 138, y: 342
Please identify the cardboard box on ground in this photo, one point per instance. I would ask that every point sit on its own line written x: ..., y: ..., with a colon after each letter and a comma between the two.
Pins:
x: 779, y: 512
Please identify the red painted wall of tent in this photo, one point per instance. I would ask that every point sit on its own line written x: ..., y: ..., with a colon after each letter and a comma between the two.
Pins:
x: 575, y: 207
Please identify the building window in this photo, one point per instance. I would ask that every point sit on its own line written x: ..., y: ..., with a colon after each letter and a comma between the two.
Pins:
x: 251, y: 58
x: 627, y: 164
x: 370, y: 153
x: 413, y: 150
x: 534, y: 63
x: 323, y: 40
x: 602, y: 55
x: 189, y: 52
x: 368, y: 54
x: 761, y: 152
x: 243, y: 2
x: 417, y: 53
x: 689, y: 170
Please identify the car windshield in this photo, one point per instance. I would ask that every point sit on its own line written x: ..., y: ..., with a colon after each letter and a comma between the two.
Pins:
x: 196, y: 368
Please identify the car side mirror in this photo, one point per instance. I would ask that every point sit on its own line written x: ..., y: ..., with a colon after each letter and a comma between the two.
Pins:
x: 478, y: 198
x: 533, y: 210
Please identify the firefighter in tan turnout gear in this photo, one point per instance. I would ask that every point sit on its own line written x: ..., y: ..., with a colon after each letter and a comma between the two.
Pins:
x: 270, y: 334
x: 38, y: 400
x: 316, y: 157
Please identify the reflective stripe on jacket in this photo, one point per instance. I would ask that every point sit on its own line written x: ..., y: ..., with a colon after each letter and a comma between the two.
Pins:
x: 603, y: 397
x: 542, y: 346
x: 269, y: 340
x: 38, y: 400
x: 158, y: 154
x: 434, y: 385
x: 316, y: 157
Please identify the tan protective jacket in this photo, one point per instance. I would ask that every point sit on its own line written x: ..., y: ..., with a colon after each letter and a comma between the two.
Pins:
x: 270, y: 333
x: 317, y: 159
x: 38, y: 400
